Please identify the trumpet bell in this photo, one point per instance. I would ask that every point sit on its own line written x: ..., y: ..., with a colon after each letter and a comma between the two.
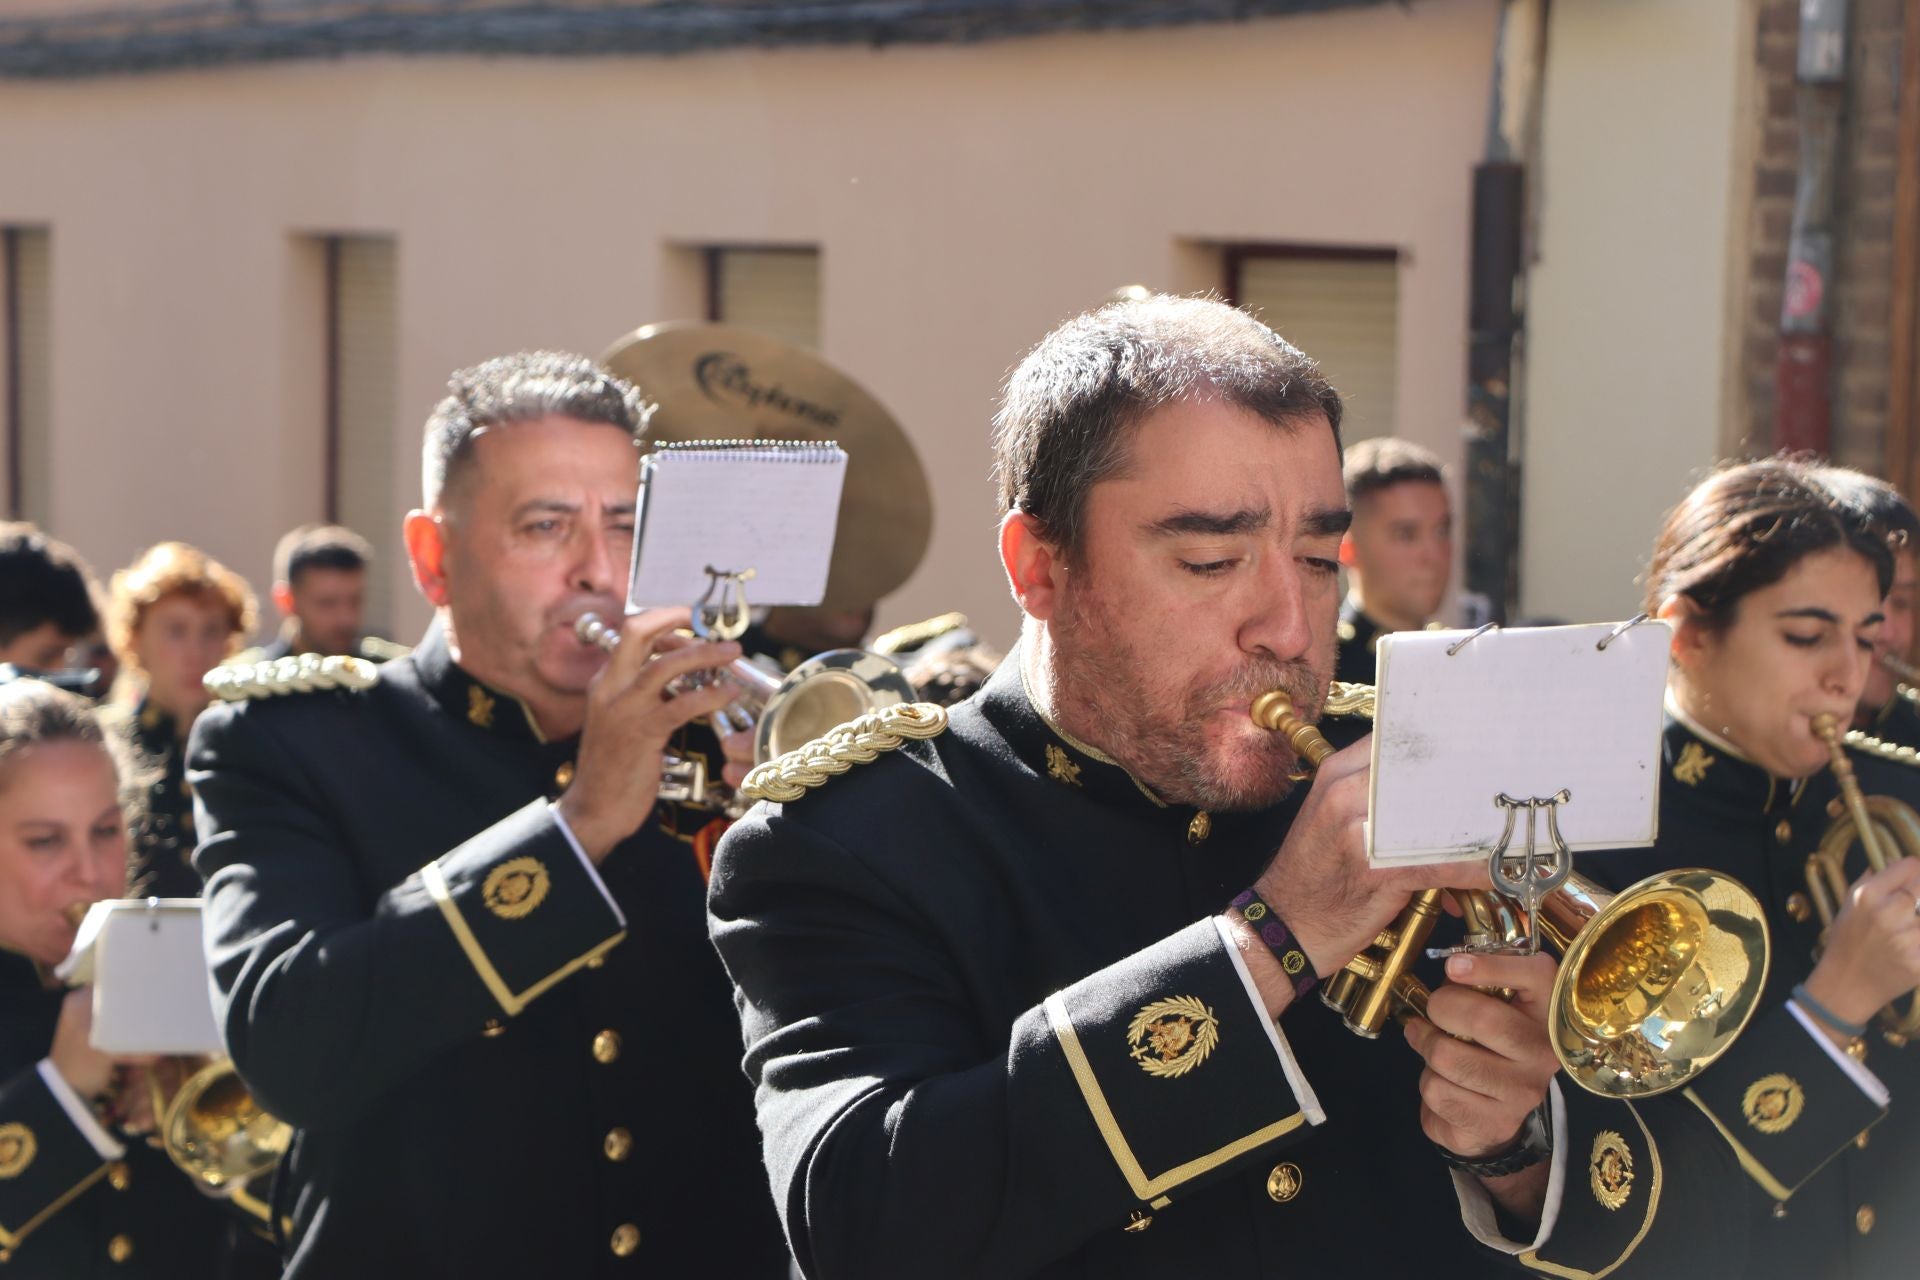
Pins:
x: 826, y: 691
x: 1659, y: 982
x: 217, y: 1131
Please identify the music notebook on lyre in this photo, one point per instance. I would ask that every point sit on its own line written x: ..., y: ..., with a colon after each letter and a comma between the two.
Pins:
x: 769, y: 506
x: 1462, y: 718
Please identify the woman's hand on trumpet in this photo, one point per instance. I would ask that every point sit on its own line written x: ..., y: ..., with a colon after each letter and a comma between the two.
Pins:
x: 1872, y: 948
x: 631, y: 716
x: 93, y: 1074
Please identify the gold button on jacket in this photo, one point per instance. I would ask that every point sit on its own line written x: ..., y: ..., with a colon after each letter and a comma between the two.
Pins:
x: 619, y: 1145
x: 120, y: 1248
x: 626, y: 1238
x: 1863, y: 1219
x: 606, y: 1047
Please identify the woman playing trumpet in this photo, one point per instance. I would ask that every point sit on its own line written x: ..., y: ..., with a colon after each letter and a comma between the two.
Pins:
x: 80, y: 1194
x: 1773, y: 582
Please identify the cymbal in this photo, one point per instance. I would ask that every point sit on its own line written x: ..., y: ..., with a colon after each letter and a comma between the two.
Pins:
x: 718, y: 382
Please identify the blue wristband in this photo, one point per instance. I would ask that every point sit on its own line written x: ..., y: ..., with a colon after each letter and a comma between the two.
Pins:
x: 1852, y: 1030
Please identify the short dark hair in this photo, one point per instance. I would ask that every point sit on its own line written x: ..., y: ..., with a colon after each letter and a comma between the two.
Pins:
x: 44, y: 580
x: 1384, y: 461
x: 1881, y: 503
x: 523, y: 387
x: 1070, y: 407
x: 319, y: 546
x: 1746, y: 526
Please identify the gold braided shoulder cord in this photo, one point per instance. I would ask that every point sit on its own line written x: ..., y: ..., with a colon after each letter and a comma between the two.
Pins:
x: 302, y: 673
x: 838, y: 750
x: 1880, y: 747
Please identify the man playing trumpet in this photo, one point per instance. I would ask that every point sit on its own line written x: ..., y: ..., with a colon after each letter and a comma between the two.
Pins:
x: 450, y: 946
x: 1031, y: 995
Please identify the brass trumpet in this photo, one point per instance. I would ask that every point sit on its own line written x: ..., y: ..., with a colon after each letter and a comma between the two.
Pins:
x: 821, y: 693
x: 1655, y: 982
x: 1885, y: 829
x: 1902, y: 670
x: 213, y: 1128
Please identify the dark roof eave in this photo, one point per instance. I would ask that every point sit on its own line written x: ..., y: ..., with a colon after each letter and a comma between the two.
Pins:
x: 70, y: 49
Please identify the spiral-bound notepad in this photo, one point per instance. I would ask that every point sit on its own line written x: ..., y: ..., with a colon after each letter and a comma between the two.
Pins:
x: 766, y: 505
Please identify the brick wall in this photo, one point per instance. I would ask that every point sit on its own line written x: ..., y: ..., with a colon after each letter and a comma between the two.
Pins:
x: 1863, y: 257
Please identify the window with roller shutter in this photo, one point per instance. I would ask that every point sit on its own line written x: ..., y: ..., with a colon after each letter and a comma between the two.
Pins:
x: 26, y: 331
x: 772, y: 291
x: 1340, y: 306
x: 365, y: 490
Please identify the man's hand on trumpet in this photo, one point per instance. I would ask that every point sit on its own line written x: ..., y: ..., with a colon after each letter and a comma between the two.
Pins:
x: 1489, y: 1063
x: 631, y: 716
x: 1320, y: 885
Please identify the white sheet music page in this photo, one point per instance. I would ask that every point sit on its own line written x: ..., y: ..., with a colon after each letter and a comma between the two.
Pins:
x: 766, y: 505
x: 148, y: 967
x: 1527, y: 712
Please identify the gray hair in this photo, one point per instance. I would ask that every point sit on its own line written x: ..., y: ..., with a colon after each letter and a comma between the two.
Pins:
x: 1072, y: 404
x: 523, y: 387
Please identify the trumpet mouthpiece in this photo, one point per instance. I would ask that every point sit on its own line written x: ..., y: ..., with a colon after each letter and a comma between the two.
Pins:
x: 1271, y: 710
x: 1825, y: 727
x: 591, y: 630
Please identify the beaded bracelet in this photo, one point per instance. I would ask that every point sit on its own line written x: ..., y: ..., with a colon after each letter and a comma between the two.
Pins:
x: 1852, y: 1030
x: 1279, y: 939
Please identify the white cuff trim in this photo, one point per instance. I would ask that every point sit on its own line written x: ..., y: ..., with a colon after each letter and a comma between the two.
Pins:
x: 593, y: 872
x: 1856, y: 1071
x: 79, y: 1112
x: 1476, y: 1203
x: 1296, y: 1079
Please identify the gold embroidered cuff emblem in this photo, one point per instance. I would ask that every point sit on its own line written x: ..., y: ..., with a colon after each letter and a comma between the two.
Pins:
x: 1060, y: 766
x: 1610, y: 1170
x: 1171, y: 1037
x: 1692, y: 765
x: 17, y: 1149
x: 1772, y: 1103
x: 515, y: 887
x: 479, y: 707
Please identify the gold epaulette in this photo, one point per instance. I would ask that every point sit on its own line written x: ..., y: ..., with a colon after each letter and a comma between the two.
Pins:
x: 306, y: 673
x: 1908, y: 692
x: 1880, y: 747
x: 856, y: 742
x: 381, y: 649
x: 915, y: 634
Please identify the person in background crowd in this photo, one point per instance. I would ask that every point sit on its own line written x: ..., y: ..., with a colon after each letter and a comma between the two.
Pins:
x: 82, y: 1193
x: 48, y: 599
x: 1399, y: 553
x: 173, y: 615
x: 1887, y: 709
x: 320, y: 589
x: 951, y: 676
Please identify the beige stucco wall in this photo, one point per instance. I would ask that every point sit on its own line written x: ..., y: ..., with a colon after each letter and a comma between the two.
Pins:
x: 1627, y: 314
x: 965, y: 198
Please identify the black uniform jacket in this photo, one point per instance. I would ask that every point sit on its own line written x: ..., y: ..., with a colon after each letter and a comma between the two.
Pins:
x: 163, y: 830
x: 1833, y: 1182
x: 66, y: 1211
x: 1355, y: 661
x: 490, y: 1074
x: 996, y: 1033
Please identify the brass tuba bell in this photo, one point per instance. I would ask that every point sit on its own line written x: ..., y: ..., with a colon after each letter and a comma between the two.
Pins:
x: 1655, y: 982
